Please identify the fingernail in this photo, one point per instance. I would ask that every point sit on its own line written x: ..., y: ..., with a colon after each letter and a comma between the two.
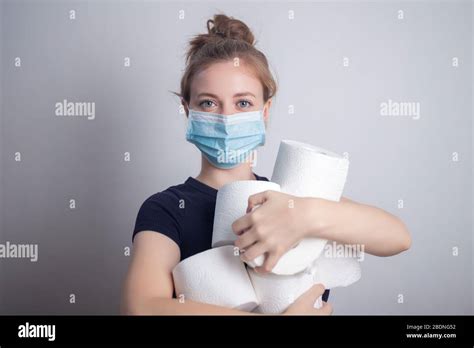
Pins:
x: 319, y: 303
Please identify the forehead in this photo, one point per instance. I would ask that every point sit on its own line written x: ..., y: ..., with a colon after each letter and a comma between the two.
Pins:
x: 224, y: 79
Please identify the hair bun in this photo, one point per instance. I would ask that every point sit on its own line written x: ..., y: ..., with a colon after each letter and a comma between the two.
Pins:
x: 228, y: 27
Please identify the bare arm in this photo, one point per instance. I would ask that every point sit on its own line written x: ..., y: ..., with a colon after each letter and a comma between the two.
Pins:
x: 148, y: 286
x: 349, y: 222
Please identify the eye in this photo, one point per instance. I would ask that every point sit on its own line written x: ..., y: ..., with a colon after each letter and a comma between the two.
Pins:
x: 206, y: 103
x: 245, y: 103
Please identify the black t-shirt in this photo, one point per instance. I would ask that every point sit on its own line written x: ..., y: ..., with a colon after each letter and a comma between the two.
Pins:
x: 185, y: 214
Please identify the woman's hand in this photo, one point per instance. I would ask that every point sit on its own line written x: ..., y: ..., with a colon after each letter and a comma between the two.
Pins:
x: 278, y: 223
x: 282, y: 220
x: 305, y: 303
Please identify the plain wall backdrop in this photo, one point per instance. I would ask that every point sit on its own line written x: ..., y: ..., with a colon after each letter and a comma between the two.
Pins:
x: 335, y: 63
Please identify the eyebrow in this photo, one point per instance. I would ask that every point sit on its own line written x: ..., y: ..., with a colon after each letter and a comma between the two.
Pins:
x: 235, y: 95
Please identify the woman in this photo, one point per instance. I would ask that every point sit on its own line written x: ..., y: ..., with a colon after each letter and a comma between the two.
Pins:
x: 226, y: 92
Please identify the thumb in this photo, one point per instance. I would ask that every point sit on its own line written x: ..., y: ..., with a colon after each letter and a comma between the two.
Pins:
x: 256, y: 200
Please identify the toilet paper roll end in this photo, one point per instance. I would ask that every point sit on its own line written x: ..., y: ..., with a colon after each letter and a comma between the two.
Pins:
x: 222, y: 243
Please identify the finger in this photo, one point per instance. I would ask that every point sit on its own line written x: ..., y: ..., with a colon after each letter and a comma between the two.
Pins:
x: 326, y: 309
x: 254, y: 251
x: 256, y: 199
x: 242, y: 224
x: 311, y: 295
x: 245, y: 240
x: 269, y: 263
x: 317, y: 290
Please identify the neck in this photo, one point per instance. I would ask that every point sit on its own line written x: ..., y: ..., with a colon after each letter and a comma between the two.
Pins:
x: 216, y: 177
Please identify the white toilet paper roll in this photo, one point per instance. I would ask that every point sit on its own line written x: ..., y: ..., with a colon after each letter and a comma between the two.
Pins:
x: 334, y: 271
x: 309, y: 171
x: 216, y: 276
x: 276, y: 292
x: 296, y: 259
x: 306, y: 170
x: 231, y: 204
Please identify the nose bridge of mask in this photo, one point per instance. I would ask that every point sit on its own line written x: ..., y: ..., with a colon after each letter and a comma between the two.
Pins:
x: 221, y: 126
x: 236, y: 118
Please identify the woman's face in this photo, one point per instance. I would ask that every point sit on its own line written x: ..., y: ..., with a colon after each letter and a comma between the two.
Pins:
x: 227, y: 89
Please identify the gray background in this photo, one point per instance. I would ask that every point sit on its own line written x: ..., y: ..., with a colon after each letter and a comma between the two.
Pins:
x: 81, y: 251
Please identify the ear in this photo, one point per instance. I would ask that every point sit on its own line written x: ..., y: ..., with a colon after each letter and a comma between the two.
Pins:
x: 266, y: 109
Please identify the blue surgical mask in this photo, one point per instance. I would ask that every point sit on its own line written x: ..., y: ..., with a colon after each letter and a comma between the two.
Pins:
x: 226, y: 140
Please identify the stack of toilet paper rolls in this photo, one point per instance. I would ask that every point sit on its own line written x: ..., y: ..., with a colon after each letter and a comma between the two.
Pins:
x: 218, y: 276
